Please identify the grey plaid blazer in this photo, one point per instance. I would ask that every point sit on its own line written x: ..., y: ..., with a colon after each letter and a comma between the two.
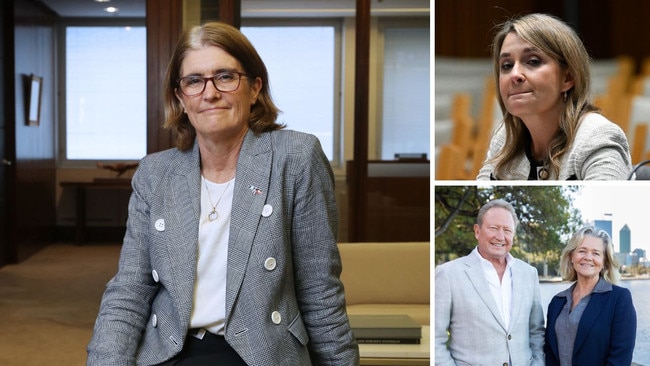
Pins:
x: 283, y: 208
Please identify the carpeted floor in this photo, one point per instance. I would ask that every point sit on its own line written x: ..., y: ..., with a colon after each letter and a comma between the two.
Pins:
x: 49, y: 302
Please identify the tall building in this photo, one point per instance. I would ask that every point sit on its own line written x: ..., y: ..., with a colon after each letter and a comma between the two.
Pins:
x: 625, y: 240
x: 640, y: 253
x: 604, y: 225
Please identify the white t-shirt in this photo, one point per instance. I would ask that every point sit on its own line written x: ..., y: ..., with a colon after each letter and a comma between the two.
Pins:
x: 209, y: 306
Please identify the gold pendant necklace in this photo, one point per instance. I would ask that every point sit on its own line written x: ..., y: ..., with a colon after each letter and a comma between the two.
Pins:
x: 213, y: 215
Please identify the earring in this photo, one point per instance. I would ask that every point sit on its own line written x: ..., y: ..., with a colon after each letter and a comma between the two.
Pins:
x: 566, y: 96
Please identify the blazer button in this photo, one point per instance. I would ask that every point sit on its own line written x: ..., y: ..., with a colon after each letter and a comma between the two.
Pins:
x: 509, y: 336
x: 160, y: 225
x: 267, y: 210
x: 154, y: 321
x: 154, y: 274
x: 276, y: 318
x: 270, y: 263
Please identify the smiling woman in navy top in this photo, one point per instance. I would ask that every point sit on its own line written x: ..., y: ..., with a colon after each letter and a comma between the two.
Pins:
x: 593, y: 322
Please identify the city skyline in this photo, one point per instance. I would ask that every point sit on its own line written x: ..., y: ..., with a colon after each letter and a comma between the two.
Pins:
x: 625, y: 204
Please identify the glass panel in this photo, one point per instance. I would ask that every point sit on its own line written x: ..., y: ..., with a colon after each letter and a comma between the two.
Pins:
x: 106, y: 110
x: 406, y: 91
x: 300, y: 62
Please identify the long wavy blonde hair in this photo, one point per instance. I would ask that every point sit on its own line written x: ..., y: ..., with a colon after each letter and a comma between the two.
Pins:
x: 559, y: 41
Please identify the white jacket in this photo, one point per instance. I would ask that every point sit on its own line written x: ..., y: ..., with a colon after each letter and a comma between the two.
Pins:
x: 600, y: 151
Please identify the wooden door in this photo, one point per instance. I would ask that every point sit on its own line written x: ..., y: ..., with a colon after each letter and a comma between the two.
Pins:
x: 27, y: 152
x: 6, y: 149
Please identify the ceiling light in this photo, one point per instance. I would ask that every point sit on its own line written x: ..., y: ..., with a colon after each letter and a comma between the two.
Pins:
x: 111, y: 9
x: 102, y: 1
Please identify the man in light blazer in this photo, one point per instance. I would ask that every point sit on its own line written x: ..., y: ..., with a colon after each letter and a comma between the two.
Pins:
x: 284, y: 300
x: 487, y: 304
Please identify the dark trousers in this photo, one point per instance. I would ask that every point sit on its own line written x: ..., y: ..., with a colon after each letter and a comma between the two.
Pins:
x: 210, y: 351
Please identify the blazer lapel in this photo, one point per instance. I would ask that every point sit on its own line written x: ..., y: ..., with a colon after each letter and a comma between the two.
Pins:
x: 554, y: 309
x: 185, y: 193
x: 518, y: 287
x: 589, y: 317
x: 251, y: 191
x: 480, y: 284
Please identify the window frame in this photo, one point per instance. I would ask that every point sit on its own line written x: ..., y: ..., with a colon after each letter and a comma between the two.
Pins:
x: 61, y: 158
x: 342, y: 136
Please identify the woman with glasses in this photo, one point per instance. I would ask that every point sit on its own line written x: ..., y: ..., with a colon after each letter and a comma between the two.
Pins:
x: 593, y: 322
x: 230, y: 255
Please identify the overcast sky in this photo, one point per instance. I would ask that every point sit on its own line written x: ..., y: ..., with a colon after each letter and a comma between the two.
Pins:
x: 628, y: 204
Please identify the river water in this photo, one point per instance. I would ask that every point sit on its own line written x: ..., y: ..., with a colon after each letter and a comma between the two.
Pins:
x: 640, y: 290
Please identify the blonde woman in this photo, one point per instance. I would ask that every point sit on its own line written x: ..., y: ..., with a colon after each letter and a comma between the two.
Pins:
x: 550, y: 129
x: 593, y: 322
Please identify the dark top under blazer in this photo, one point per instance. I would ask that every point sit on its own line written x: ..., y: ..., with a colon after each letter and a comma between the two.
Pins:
x: 145, y: 312
x: 606, y: 332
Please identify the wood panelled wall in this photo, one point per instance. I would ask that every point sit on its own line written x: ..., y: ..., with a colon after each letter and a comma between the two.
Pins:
x: 629, y: 28
x: 34, y: 166
x: 164, y: 26
x: 7, y: 146
x: 609, y: 28
x: 463, y: 27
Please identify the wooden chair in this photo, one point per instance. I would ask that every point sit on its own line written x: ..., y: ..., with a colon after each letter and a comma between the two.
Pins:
x: 489, y: 117
x: 626, y: 65
x: 638, y: 144
x: 449, y: 159
x: 645, y: 66
x: 618, y: 76
x: 641, y: 84
x: 452, y: 158
x: 603, y: 71
x: 461, y: 105
x: 637, y: 126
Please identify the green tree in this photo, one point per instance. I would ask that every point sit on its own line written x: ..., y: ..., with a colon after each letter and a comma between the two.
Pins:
x: 546, y: 215
x: 455, y: 213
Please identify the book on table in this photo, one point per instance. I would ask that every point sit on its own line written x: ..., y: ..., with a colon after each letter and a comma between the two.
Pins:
x: 385, y: 329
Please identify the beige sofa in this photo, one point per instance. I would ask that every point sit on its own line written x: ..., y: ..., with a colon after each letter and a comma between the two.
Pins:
x: 387, y: 278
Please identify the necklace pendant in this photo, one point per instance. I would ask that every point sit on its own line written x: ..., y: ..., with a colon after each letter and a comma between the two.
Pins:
x: 213, y: 215
x: 542, y: 173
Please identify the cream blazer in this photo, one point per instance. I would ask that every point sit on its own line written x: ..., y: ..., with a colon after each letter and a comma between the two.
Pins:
x: 465, y: 308
x: 600, y: 151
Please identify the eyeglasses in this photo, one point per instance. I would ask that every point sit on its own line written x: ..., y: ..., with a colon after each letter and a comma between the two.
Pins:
x: 227, y: 81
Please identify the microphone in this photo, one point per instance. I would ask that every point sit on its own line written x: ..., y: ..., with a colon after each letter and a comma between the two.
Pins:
x: 645, y: 176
